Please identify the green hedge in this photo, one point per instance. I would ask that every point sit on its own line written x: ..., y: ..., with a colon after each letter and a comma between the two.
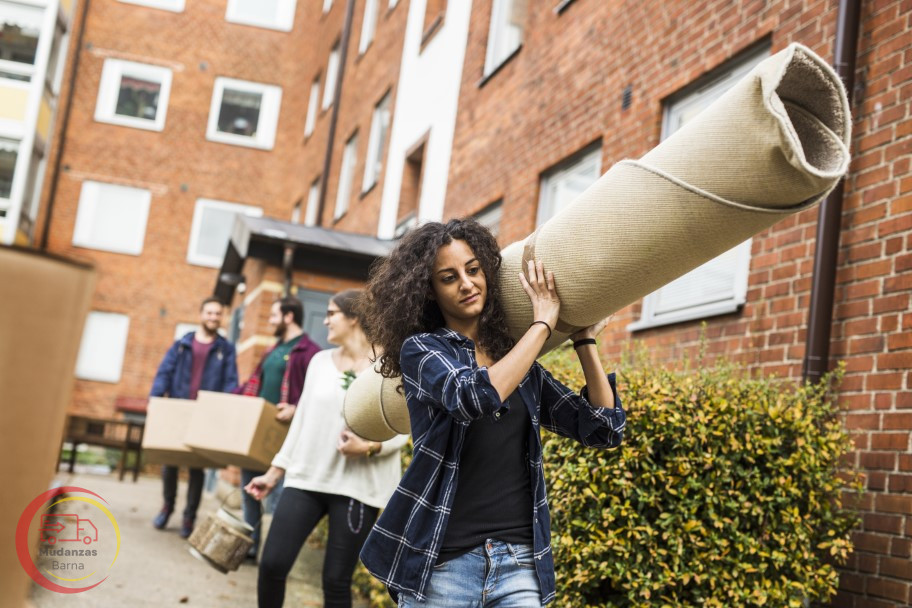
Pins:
x: 725, y: 492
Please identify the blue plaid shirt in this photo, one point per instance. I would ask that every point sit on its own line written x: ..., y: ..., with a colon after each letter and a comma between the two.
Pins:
x: 445, y: 391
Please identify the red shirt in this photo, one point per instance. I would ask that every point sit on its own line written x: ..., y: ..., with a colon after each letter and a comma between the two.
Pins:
x: 200, y: 352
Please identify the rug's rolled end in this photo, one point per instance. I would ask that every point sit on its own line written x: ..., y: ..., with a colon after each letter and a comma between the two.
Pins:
x: 810, y: 101
x: 374, y: 408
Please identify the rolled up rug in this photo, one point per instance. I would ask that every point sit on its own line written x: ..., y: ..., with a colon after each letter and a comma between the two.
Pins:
x: 374, y: 409
x: 774, y: 144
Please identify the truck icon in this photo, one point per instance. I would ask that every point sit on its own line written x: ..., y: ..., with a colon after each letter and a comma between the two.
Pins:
x: 67, y: 528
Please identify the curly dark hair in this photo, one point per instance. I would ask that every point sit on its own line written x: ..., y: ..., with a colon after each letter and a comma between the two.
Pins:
x: 398, y: 304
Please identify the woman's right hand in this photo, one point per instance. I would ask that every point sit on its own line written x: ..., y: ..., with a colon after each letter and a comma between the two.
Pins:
x: 541, y: 289
x: 260, y: 487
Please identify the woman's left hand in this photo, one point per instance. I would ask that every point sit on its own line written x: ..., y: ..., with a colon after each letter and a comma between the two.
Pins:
x: 592, y: 331
x: 353, y: 446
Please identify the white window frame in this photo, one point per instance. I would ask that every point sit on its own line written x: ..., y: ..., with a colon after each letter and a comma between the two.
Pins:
x: 17, y: 67
x: 313, y: 203
x: 332, y: 74
x: 107, y: 324
x: 313, y: 101
x: 589, y: 159
x: 175, y: 6
x: 346, y: 176
x: 405, y: 224
x: 490, y: 217
x: 268, y: 119
x: 494, y: 54
x: 655, y: 312
x: 198, y: 259
x: 86, y: 213
x: 379, y: 136
x: 284, y: 21
x: 111, y: 75
x: 368, y: 25
x: 6, y: 203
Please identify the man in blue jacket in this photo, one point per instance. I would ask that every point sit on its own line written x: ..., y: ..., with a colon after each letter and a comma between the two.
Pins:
x: 200, y: 360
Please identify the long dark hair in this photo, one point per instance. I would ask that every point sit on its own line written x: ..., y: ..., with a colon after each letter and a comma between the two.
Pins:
x: 398, y: 303
x: 349, y: 302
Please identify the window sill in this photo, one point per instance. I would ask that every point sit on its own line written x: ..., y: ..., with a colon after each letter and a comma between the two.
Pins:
x: 562, y: 6
x: 239, y: 140
x: 495, y: 71
x: 137, y: 123
x: 429, y: 33
x: 703, y: 312
x: 369, y: 189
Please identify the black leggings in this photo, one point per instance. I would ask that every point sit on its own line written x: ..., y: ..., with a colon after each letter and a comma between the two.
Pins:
x: 296, y: 515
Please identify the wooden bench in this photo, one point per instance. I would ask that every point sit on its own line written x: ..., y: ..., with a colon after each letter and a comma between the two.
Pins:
x: 125, y: 435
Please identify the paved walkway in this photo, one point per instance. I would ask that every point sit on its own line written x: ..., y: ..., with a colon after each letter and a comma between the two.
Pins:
x: 155, y: 568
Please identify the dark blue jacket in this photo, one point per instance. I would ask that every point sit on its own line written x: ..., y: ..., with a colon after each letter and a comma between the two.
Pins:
x: 173, y: 376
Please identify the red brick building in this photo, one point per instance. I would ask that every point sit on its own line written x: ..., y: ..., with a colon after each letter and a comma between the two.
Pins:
x: 395, y: 112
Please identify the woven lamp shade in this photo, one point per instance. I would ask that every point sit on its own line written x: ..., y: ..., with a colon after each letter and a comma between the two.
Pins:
x: 774, y: 144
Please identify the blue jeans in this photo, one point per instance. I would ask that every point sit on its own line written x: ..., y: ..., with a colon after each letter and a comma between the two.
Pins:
x: 251, y: 507
x: 496, y: 574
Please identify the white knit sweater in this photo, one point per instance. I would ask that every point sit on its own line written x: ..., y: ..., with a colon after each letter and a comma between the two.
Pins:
x: 309, y: 455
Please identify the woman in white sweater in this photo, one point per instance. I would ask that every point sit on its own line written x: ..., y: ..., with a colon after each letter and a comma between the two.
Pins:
x: 328, y: 469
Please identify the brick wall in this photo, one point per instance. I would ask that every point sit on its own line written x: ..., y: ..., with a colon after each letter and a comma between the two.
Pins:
x: 563, y: 90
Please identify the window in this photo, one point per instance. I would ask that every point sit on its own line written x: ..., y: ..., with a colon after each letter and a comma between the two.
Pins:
x: 296, y: 213
x: 369, y: 25
x: 562, y: 184
x: 175, y: 6
x: 346, y: 176
x: 404, y: 225
x: 244, y: 113
x: 211, y: 230
x: 380, y: 125
x: 9, y: 153
x: 111, y: 218
x: 506, y: 33
x: 272, y: 14
x: 327, y: 5
x: 410, y: 191
x: 434, y: 12
x: 20, y: 28
x: 313, y: 204
x: 332, y: 73
x: 101, y: 352
x: 133, y: 95
x: 311, y: 120
x: 489, y: 217
x: 720, y: 285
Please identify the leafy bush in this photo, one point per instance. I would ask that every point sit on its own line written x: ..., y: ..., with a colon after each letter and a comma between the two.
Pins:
x: 725, y: 492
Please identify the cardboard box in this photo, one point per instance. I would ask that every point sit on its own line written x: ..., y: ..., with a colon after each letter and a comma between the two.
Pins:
x: 235, y: 430
x: 167, y: 421
x: 42, y: 313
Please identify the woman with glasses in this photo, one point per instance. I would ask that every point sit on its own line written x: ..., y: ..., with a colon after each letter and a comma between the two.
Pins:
x: 328, y: 470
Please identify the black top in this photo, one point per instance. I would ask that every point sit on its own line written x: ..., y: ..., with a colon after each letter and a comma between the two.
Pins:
x: 493, y: 492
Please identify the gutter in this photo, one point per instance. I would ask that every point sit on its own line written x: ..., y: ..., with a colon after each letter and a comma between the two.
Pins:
x: 64, y: 124
x: 820, y: 316
x: 337, y: 97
